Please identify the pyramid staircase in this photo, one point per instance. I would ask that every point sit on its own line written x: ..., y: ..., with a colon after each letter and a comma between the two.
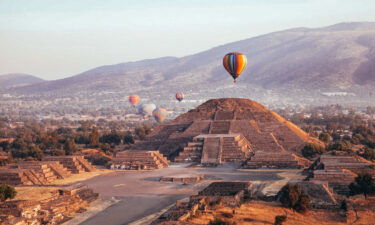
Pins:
x: 51, y: 170
x: 216, y: 149
x: 192, y: 152
x: 139, y: 160
x: 43, y: 169
x: 74, y: 164
x: 22, y: 177
x: 220, y: 127
x: 235, y: 149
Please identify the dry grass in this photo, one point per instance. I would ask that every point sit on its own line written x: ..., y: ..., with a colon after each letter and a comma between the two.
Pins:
x: 34, y: 193
x: 81, y: 176
x: 259, y: 212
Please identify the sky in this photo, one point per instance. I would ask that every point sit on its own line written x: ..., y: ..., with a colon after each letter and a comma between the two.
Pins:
x: 53, y: 39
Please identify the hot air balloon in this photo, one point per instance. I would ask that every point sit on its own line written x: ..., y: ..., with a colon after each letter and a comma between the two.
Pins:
x: 134, y: 100
x: 160, y: 114
x: 179, y: 96
x: 234, y: 63
x: 146, y: 109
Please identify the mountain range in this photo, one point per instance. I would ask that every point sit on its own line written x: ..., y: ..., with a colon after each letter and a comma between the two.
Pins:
x: 300, y: 62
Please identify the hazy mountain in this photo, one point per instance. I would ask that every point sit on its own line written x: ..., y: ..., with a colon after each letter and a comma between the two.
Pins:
x: 338, y: 58
x: 18, y: 79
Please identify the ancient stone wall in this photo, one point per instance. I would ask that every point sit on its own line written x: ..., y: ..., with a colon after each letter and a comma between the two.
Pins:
x: 139, y: 160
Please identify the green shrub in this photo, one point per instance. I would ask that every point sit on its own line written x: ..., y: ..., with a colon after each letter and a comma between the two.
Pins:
x: 364, y: 184
x: 279, y: 220
x: 292, y: 196
x: 7, y: 192
x: 218, y: 221
x: 344, y: 205
x: 310, y: 150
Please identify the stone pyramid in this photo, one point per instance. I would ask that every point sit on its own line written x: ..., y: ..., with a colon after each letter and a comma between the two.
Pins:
x: 225, y: 130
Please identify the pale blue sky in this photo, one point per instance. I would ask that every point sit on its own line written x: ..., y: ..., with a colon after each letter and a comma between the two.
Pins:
x: 59, y: 38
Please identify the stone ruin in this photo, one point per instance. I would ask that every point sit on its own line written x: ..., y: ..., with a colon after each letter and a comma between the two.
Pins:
x: 57, y: 209
x: 43, y: 172
x: 230, y: 194
x: 320, y: 194
x: 75, y: 164
x: 230, y: 130
x: 338, y: 171
x: 182, y: 179
x: 33, y: 173
x: 139, y: 160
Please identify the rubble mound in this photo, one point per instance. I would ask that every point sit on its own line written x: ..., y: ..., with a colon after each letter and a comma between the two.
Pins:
x: 227, y: 130
x: 56, y: 209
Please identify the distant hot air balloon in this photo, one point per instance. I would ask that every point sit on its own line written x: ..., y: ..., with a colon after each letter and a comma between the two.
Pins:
x: 234, y: 63
x: 179, y: 96
x: 134, y: 100
x: 160, y: 114
x: 146, y: 109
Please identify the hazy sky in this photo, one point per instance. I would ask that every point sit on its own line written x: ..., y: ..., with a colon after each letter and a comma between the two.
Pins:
x: 58, y: 38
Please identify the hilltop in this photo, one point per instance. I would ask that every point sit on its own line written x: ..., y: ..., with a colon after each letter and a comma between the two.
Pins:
x: 12, y: 80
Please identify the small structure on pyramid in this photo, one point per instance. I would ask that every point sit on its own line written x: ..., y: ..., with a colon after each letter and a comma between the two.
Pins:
x: 139, y: 160
x: 230, y: 130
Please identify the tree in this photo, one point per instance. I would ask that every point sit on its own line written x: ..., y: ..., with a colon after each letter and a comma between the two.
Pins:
x: 364, y: 184
x: 69, y: 146
x: 325, y: 137
x: 310, y: 150
x: 142, y: 131
x: 35, y: 152
x: 94, y: 137
x: 292, y: 196
x: 7, y: 192
x: 111, y: 138
x: 341, y: 145
x: 279, y: 220
x: 369, y: 154
x: 128, y: 138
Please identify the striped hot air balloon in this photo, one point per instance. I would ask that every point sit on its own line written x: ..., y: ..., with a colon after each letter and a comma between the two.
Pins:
x: 234, y: 63
x: 134, y: 100
x: 179, y: 96
x: 160, y: 114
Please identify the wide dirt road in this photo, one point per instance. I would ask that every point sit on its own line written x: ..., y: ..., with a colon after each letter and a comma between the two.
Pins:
x: 139, y: 193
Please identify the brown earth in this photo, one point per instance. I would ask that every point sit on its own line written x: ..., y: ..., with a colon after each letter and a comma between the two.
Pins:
x: 259, y: 212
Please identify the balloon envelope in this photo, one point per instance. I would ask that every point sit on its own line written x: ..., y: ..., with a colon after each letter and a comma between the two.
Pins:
x: 180, y: 96
x: 234, y: 63
x: 146, y: 109
x: 134, y: 100
x: 160, y: 114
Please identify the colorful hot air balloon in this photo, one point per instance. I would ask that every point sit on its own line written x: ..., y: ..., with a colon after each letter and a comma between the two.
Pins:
x: 234, y: 63
x: 160, y: 114
x: 146, y: 109
x: 134, y: 100
x: 179, y: 96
